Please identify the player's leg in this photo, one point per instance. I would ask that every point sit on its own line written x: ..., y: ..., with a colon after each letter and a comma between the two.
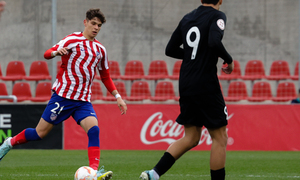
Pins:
x: 174, y: 152
x: 90, y: 126
x: 29, y: 134
x: 218, y: 152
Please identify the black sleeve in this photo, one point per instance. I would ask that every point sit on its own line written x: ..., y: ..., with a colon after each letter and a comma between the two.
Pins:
x: 215, y: 37
x: 173, y: 48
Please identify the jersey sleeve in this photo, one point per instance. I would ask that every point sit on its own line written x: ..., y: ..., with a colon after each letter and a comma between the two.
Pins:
x: 215, y: 37
x: 60, y: 44
x: 104, y: 73
x: 173, y: 48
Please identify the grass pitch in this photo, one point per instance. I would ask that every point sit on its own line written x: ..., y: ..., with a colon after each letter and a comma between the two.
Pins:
x: 127, y: 165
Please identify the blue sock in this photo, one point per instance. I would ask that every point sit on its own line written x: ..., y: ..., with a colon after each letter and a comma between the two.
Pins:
x: 31, y: 134
x: 93, y: 135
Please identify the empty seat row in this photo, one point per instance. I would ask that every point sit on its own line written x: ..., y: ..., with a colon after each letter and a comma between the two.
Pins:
x: 254, y: 70
x: 261, y: 91
x: 15, y: 70
x: 23, y: 92
x: 164, y: 91
x: 140, y: 91
x: 134, y: 70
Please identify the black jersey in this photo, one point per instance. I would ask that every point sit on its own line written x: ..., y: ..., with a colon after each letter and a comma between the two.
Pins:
x: 200, y: 33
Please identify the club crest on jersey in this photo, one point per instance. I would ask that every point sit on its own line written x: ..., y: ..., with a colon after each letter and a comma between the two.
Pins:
x: 53, y: 116
x: 97, y: 53
x: 221, y: 24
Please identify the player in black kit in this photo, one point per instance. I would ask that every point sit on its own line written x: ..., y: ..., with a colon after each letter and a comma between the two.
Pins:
x: 201, y: 100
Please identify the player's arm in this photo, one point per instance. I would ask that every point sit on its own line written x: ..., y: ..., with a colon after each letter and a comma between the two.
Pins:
x: 215, y: 37
x: 52, y: 52
x: 110, y: 86
x: 173, y: 48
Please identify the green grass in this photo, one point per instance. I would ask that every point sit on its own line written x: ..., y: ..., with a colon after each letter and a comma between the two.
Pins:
x: 127, y: 165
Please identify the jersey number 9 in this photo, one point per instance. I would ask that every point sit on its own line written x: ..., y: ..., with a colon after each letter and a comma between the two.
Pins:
x: 193, y: 44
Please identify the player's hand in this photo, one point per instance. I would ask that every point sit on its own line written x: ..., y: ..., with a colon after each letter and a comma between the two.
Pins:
x: 228, y: 69
x: 122, y: 105
x: 62, y: 51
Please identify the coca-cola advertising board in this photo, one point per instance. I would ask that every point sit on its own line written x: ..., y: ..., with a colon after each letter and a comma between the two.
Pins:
x: 153, y: 127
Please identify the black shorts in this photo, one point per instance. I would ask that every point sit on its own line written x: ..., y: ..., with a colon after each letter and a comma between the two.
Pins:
x: 207, y: 110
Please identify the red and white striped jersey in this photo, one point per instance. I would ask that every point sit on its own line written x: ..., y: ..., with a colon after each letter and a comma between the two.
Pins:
x: 74, y: 79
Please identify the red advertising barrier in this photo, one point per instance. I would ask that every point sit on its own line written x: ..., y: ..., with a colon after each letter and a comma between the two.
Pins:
x: 153, y: 127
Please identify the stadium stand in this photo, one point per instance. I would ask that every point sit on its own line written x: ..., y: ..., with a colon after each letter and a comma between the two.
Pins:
x: 164, y: 91
x: 279, y: 70
x: 254, y: 70
x: 296, y: 72
x: 139, y: 91
x: 134, y: 70
x: 15, y: 70
x: 176, y: 70
x: 286, y: 91
x: 114, y: 69
x: 22, y: 91
x: 236, y: 91
x: 120, y: 85
x: 3, y: 89
x: 38, y: 71
x: 157, y: 70
x: 42, y: 92
x: 261, y: 91
x: 97, y: 93
x: 235, y: 74
x: 0, y: 72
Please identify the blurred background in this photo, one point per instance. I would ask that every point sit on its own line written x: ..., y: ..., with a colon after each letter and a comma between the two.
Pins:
x: 264, y: 30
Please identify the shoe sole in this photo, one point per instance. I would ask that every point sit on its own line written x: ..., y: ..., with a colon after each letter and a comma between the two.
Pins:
x: 144, y: 176
x: 106, y: 176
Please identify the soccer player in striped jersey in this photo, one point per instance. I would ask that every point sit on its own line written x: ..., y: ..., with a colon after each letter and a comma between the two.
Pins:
x: 82, y: 55
x: 201, y: 100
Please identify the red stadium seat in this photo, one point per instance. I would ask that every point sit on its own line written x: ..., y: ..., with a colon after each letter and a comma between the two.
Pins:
x: 0, y: 72
x: 157, y: 70
x: 42, y: 92
x: 236, y: 91
x: 120, y: 85
x: 279, y: 70
x: 96, y: 91
x: 38, y: 71
x: 235, y: 74
x: 22, y: 91
x: 261, y: 91
x: 164, y: 91
x: 176, y: 70
x: 139, y: 91
x: 114, y: 69
x: 286, y: 91
x: 296, y: 72
x: 15, y: 70
x: 254, y: 70
x: 3, y: 90
x: 134, y: 70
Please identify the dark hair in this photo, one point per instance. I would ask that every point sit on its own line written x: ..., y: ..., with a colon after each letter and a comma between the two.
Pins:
x: 214, y: 2
x: 299, y: 90
x: 91, y: 13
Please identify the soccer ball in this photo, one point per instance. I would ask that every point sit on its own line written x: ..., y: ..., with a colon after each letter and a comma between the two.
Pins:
x: 85, y: 173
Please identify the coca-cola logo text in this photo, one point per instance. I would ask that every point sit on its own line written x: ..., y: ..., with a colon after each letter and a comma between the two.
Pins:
x: 156, y: 130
